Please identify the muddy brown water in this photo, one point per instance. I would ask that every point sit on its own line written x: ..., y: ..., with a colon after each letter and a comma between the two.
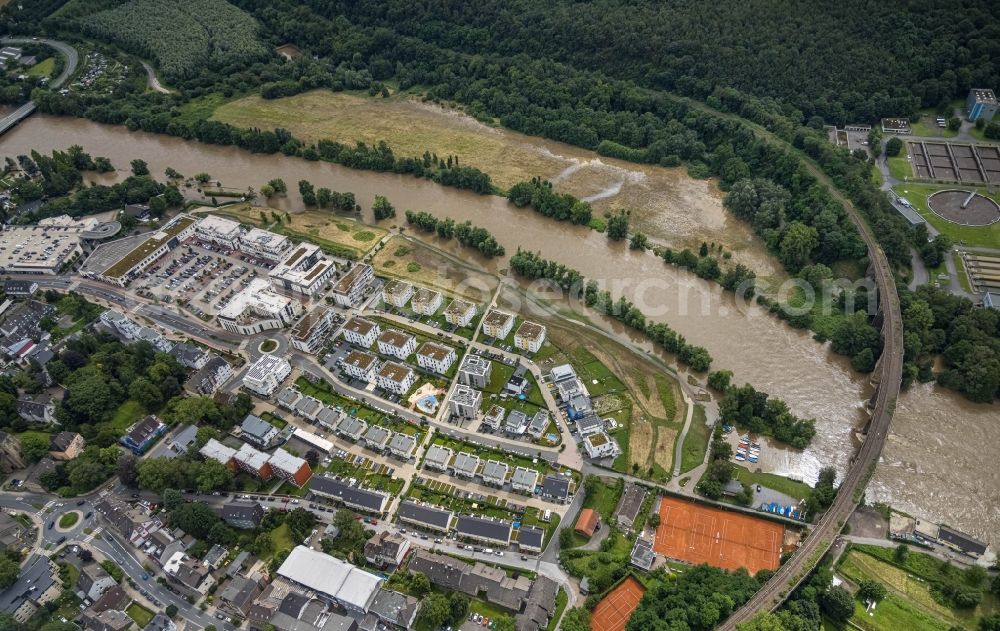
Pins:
x: 756, y: 347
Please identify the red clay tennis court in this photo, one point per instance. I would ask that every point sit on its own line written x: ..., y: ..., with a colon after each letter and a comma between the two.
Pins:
x: 614, y: 610
x: 700, y: 534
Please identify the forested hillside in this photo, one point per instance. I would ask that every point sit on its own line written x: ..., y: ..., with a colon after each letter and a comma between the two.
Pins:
x: 838, y: 60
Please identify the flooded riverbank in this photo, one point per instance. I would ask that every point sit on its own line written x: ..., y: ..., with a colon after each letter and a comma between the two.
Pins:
x: 758, y: 348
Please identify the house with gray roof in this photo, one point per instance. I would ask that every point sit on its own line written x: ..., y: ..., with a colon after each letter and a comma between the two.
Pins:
x: 495, y: 472
x: 355, y: 497
x: 328, y: 417
x: 287, y: 397
x: 352, y: 428
x: 466, y: 465
x: 524, y: 480
x: 425, y: 516
x: 259, y: 432
x: 377, y: 437
x: 484, y: 529
x: 308, y: 407
x: 438, y: 457
x: 530, y: 538
x: 402, y: 445
x: 517, y: 423
x: 556, y: 488
x: 238, y: 596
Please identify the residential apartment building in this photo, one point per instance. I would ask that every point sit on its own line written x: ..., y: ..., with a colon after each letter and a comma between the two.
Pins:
x: 465, y: 402
x: 253, y: 462
x: 215, y: 450
x: 349, y: 494
x: 377, y: 437
x: 143, y: 434
x: 600, y: 445
x: 396, y: 343
x: 266, y: 374
x: 435, y: 357
x: 361, y: 332
x: 524, y: 480
x: 386, y: 549
x: 426, y: 302
x: 529, y: 337
x: 497, y: 324
x: 243, y: 514
x: 460, y: 313
x: 349, y: 290
x: 475, y: 371
x: 438, y: 457
x: 259, y: 432
x: 361, y: 365
x: 494, y: 417
x: 66, y: 445
x: 425, y: 516
x: 402, y: 445
x: 495, y: 472
x: 290, y: 468
x: 210, y: 378
x: 304, y: 270
x: 396, y: 378
x: 397, y: 293
x: 310, y: 332
x: 190, y: 356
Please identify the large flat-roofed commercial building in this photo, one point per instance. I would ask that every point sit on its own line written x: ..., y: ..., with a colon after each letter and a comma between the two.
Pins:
x: 311, y: 331
x: 981, y: 103
x: 42, y: 249
x: 112, y: 263
x: 266, y: 374
x: 220, y: 230
x: 304, y: 270
x: 332, y: 579
x: 264, y: 244
x: 256, y: 308
x: 347, y: 292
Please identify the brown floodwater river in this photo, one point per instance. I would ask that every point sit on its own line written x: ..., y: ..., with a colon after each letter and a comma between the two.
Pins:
x: 935, y: 464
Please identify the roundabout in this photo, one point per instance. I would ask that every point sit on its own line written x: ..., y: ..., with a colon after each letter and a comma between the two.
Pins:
x: 268, y: 346
x: 67, y: 521
x: 966, y: 208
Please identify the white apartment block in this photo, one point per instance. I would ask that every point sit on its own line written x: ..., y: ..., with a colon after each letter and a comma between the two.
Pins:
x: 497, y: 324
x: 465, y: 402
x: 396, y: 378
x: 265, y: 245
x: 529, y: 337
x: 426, y: 302
x: 397, y: 293
x: 396, y: 343
x: 348, y: 291
x: 475, y: 371
x: 494, y: 417
x: 600, y: 445
x: 435, y: 357
x: 256, y: 308
x: 219, y: 230
x: 266, y: 374
x: 361, y: 332
x: 304, y: 270
x: 310, y: 332
x: 460, y: 313
x: 361, y: 365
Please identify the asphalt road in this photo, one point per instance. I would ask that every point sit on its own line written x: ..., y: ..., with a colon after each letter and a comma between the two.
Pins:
x: 72, y: 59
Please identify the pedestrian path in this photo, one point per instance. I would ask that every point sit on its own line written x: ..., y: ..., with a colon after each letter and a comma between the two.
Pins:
x: 93, y: 534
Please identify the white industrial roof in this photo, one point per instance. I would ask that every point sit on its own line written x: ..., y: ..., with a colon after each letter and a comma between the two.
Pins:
x: 331, y: 576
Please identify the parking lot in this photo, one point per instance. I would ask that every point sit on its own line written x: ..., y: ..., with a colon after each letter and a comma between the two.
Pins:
x: 203, y: 276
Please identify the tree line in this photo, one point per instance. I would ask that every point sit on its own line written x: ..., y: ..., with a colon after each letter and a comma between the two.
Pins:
x: 532, y: 266
x: 465, y: 233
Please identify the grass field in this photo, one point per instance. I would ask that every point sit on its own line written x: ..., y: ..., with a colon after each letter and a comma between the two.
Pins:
x: 42, y: 68
x: 281, y: 537
x: 963, y: 276
x: 984, y: 236
x: 416, y: 263
x: 407, y: 125
x: 778, y: 483
x: 696, y: 441
x: 69, y: 520
x: 126, y: 414
x: 321, y: 227
x: 140, y: 614
x: 927, y: 127
x: 899, y: 167
x: 910, y: 604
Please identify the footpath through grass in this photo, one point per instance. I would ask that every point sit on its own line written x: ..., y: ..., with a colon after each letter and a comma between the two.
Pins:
x: 696, y: 441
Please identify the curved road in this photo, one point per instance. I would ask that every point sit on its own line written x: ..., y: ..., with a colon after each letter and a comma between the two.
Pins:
x: 888, y: 375
x: 26, y: 110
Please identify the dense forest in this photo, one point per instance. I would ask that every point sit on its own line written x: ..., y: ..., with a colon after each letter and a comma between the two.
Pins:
x: 843, y: 62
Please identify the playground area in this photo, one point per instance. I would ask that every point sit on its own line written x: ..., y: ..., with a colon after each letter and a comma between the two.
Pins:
x: 966, y: 208
x: 695, y: 533
x: 614, y: 610
x: 426, y: 398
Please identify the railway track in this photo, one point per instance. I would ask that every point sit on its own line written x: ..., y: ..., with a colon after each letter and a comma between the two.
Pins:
x: 888, y: 375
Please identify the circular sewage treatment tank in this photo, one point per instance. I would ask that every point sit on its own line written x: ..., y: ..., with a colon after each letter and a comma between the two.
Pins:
x: 965, y: 208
